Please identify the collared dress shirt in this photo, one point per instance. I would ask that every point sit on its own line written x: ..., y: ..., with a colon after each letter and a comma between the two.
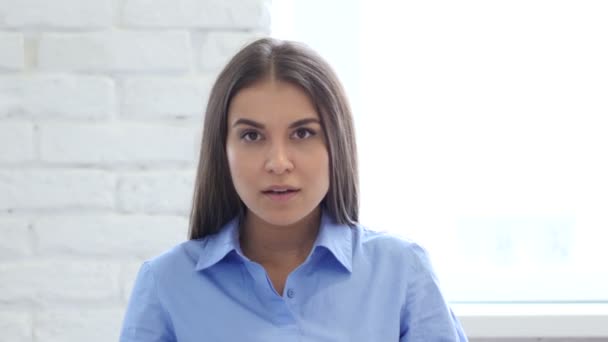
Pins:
x: 355, y: 285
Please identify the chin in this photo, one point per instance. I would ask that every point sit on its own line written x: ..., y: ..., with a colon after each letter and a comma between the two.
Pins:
x: 282, y: 217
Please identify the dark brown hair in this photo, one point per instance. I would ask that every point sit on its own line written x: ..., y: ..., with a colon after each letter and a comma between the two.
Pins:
x: 215, y: 199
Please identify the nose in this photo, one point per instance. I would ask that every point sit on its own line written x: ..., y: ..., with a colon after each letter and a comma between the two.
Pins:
x: 278, y: 160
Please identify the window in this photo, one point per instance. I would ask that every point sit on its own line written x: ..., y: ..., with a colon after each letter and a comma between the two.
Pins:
x: 483, y: 134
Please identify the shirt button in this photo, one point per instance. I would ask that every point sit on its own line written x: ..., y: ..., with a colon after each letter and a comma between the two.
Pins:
x: 291, y: 293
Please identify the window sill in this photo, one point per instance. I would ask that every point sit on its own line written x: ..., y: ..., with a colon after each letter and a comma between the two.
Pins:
x: 533, y: 320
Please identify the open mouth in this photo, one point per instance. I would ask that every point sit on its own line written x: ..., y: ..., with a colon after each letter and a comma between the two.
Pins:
x: 280, y: 194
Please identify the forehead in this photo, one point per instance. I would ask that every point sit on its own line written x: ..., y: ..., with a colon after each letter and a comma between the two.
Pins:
x: 271, y: 101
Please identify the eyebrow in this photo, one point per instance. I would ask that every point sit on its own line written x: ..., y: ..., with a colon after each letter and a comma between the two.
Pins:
x: 256, y: 124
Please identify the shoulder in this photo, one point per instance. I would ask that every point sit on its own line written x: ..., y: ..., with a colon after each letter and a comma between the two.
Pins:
x: 178, y: 258
x: 388, y: 247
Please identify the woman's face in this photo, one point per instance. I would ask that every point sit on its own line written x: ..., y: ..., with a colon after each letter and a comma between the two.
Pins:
x: 277, y: 152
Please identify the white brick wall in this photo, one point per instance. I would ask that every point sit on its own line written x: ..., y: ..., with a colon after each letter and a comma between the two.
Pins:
x: 108, y: 235
x: 119, y: 142
x: 78, y: 325
x: 16, y: 241
x: 16, y: 142
x: 148, y: 98
x: 101, y: 108
x: 56, y: 189
x: 72, y: 14
x: 212, y: 14
x: 137, y: 192
x: 46, y: 96
x: 56, y: 280
x: 116, y: 51
x: 15, y: 326
x: 12, y: 47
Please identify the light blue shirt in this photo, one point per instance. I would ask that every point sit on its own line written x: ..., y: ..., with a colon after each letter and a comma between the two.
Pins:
x: 356, y: 285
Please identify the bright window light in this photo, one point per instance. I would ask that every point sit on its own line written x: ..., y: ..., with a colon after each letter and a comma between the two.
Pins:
x: 483, y: 134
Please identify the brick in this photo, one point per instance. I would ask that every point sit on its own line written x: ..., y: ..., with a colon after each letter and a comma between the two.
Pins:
x: 16, y: 142
x: 118, y: 143
x: 78, y: 97
x: 157, y: 192
x: 16, y: 326
x: 163, y: 97
x: 109, y: 235
x: 13, y: 51
x: 15, y: 241
x: 56, y: 14
x: 56, y: 189
x: 116, y: 51
x: 58, y: 280
x: 82, y: 324
x: 208, y: 14
x: 217, y: 48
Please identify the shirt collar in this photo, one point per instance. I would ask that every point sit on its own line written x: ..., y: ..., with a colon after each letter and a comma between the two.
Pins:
x: 336, y: 238
x: 217, y: 246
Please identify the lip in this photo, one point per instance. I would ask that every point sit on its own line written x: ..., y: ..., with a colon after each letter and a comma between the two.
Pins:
x: 280, y: 187
x: 292, y: 191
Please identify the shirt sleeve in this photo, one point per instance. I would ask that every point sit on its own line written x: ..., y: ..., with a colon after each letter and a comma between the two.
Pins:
x: 426, y: 315
x: 146, y: 319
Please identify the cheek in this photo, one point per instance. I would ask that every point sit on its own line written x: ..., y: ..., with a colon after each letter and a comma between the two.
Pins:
x: 232, y: 160
x: 234, y: 164
x: 326, y: 172
x: 318, y: 168
x: 241, y: 167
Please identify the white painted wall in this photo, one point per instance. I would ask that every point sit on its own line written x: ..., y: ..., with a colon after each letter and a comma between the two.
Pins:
x: 101, y: 108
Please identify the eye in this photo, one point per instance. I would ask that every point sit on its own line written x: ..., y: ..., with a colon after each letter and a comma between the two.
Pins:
x: 303, y: 133
x: 251, y: 136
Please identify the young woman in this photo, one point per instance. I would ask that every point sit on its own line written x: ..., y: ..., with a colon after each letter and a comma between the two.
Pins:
x: 275, y: 251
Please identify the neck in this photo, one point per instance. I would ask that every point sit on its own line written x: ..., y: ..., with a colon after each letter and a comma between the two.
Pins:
x: 283, y: 247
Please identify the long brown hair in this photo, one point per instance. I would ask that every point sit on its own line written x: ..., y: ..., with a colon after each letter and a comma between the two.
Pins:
x: 215, y: 200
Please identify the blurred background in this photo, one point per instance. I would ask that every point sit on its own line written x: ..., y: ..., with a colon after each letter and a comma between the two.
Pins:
x: 482, y: 128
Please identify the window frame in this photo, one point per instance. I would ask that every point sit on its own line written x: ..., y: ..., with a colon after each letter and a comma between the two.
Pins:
x: 533, y: 320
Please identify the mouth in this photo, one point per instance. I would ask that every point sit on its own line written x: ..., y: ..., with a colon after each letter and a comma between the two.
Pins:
x: 280, y: 193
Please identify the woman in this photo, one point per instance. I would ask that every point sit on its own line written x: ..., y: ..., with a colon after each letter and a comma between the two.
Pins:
x: 275, y: 251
